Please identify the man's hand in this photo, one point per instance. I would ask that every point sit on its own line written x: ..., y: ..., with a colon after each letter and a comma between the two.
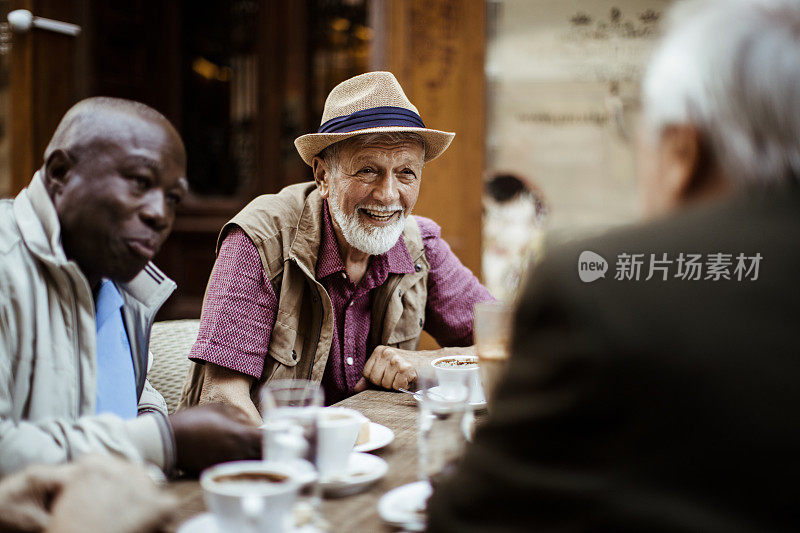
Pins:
x: 392, y: 368
x: 211, y: 434
x: 26, y: 497
x: 96, y: 493
x: 108, y: 494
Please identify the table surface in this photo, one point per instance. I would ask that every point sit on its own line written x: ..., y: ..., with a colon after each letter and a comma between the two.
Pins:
x: 395, y: 410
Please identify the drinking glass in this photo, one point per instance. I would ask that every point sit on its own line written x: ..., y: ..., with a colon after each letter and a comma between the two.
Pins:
x: 290, y: 409
x: 445, y: 422
x: 492, y: 335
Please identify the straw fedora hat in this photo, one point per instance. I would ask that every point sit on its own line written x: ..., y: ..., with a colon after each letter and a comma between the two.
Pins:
x: 369, y: 103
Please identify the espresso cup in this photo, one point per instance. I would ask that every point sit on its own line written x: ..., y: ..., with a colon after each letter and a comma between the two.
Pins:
x: 337, y: 431
x: 251, y: 496
x: 453, y: 372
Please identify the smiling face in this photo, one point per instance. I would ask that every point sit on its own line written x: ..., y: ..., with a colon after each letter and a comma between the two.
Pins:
x: 371, y: 191
x: 116, y: 195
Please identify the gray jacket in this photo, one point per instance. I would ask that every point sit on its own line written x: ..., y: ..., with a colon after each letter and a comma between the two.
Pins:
x: 48, y: 371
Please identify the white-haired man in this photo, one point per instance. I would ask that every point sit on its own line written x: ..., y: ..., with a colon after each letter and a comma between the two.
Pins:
x: 664, y: 399
x: 334, y: 280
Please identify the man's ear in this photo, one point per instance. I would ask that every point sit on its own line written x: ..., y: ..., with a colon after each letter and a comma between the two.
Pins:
x: 321, y: 176
x: 687, y: 168
x: 56, y: 171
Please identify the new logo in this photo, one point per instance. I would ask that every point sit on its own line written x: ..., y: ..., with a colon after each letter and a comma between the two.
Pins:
x: 591, y: 266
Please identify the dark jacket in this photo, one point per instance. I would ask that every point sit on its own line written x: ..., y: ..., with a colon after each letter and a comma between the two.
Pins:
x: 648, y: 405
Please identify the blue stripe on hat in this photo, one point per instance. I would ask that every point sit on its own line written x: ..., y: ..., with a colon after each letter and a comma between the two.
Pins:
x: 374, y: 117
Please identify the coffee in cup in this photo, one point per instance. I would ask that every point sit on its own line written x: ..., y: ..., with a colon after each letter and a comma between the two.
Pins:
x: 457, y: 362
x: 454, y: 372
x: 251, y: 496
x: 251, y: 477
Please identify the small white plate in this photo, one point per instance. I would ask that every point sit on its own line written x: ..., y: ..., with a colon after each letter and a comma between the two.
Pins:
x: 481, y: 404
x: 205, y: 523
x: 379, y: 436
x: 363, y: 470
x: 405, y: 506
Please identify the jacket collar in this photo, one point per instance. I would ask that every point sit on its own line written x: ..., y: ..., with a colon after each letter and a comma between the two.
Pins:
x: 308, y: 233
x: 38, y: 223
x: 151, y: 287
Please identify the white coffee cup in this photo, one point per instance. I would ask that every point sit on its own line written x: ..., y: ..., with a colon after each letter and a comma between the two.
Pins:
x: 463, y: 370
x: 337, y: 431
x: 251, y: 496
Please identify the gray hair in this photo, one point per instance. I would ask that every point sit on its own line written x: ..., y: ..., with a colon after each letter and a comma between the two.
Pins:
x: 332, y: 154
x: 732, y: 69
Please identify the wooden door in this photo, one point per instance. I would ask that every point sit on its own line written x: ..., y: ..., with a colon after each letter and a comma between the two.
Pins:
x: 43, y: 81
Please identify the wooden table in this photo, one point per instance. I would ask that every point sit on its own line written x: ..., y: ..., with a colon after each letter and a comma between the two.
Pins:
x: 397, y: 411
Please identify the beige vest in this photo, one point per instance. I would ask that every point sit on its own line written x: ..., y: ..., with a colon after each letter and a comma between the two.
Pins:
x: 286, y: 228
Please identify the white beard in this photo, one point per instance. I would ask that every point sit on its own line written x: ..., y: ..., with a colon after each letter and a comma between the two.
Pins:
x: 372, y: 240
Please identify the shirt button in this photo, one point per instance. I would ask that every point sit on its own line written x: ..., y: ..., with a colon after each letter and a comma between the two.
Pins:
x: 349, y: 361
x: 344, y: 275
x: 350, y: 304
x: 417, y: 267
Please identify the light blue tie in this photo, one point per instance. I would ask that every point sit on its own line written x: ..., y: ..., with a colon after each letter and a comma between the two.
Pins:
x: 116, y: 384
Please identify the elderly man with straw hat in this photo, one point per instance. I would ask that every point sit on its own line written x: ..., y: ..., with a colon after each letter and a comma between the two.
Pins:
x: 334, y: 280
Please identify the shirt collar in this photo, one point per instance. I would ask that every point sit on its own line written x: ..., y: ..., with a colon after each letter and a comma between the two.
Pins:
x: 329, y: 261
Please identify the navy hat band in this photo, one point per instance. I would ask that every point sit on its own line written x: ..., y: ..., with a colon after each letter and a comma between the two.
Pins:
x: 375, y: 117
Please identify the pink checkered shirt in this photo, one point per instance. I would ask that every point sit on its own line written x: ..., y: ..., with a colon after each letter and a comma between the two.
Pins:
x: 240, y: 305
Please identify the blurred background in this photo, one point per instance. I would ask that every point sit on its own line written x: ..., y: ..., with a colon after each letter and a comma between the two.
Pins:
x: 544, y: 91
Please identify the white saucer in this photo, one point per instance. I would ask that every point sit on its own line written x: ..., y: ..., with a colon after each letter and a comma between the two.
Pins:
x: 405, y: 506
x: 379, y: 436
x: 205, y: 523
x: 480, y: 404
x: 363, y: 470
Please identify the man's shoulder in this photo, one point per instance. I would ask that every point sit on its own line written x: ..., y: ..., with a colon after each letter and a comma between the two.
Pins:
x: 739, y: 223
x: 20, y: 270
x: 636, y: 284
x: 428, y: 229
x: 271, y: 212
x: 10, y: 236
x: 16, y: 260
x: 288, y: 201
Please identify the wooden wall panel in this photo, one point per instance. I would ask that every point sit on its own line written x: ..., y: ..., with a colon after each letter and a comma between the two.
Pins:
x: 436, y: 50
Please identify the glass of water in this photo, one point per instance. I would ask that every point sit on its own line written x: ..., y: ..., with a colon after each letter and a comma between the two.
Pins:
x: 445, y: 423
x: 290, y: 409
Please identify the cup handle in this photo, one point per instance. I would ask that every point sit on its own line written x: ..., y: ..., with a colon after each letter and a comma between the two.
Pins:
x: 252, y: 506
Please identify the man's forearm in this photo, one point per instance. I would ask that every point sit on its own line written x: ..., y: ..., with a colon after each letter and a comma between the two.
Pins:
x: 222, y: 385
